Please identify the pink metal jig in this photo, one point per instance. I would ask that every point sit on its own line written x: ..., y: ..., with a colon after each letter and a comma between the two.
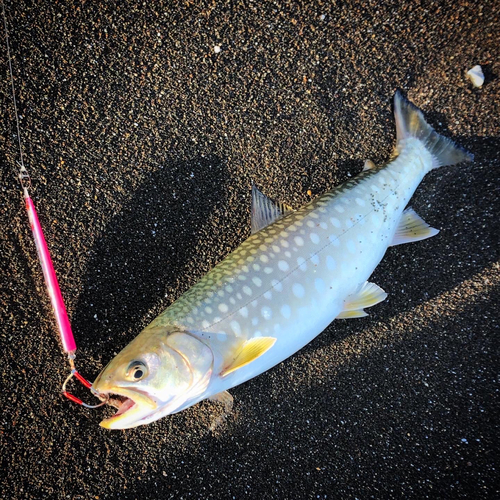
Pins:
x: 62, y: 320
x: 63, y: 324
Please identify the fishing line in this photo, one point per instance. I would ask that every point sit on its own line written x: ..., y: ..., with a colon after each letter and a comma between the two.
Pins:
x: 56, y: 299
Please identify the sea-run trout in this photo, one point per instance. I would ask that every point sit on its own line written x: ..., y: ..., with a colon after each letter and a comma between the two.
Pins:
x: 297, y: 272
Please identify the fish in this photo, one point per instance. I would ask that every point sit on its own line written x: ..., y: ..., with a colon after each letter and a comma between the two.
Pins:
x: 297, y: 272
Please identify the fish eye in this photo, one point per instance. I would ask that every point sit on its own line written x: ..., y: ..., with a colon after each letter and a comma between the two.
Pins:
x: 137, y: 370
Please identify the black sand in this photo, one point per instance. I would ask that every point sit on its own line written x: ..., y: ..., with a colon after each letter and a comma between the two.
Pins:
x: 142, y: 142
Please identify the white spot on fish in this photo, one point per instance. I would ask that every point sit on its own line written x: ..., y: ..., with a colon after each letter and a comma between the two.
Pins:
x: 299, y: 241
x: 375, y: 188
x: 247, y: 290
x: 283, y: 265
x: 235, y: 326
x: 266, y: 312
x: 285, y: 311
x: 256, y: 267
x: 289, y: 254
x: 255, y: 321
x: 229, y: 289
x: 208, y: 310
x: 351, y: 246
x: 319, y: 284
x: 335, y: 222
x: 323, y: 225
x: 330, y: 263
x: 298, y: 290
x: 334, y: 240
x: 381, y: 180
x: 349, y: 223
x: 339, y: 209
x: 244, y: 312
x: 310, y: 223
x: 360, y: 202
x: 223, y: 308
x: 276, y: 248
x: 268, y: 270
x: 315, y: 259
x: 268, y: 295
x: 257, y: 281
x: 264, y: 258
x: 302, y: 263
x: 190, y: 320
x: 277, y: 285
x: 314, y: 238
x: 205, y: 323
x: 284, y: 243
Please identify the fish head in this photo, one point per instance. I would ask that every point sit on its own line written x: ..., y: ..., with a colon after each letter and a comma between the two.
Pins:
x: 153, y: 376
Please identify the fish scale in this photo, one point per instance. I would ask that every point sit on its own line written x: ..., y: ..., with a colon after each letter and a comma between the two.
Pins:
x: 281, y: 287
x: 310, y: 255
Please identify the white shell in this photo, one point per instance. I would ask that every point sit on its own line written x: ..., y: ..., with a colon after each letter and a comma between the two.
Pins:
x: 476, y: 76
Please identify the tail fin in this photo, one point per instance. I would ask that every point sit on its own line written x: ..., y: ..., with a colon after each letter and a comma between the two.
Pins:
x: 410, y: 122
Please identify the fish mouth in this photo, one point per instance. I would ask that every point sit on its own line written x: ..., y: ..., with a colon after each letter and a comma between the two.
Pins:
x: 133, y: 406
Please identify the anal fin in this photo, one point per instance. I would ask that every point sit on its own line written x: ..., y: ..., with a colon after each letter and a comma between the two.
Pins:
x: 367, y: 296
x: 249, y: 351
x: 412, y: 228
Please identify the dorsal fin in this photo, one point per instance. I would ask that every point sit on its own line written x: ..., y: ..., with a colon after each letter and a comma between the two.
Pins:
x: 265, y: 211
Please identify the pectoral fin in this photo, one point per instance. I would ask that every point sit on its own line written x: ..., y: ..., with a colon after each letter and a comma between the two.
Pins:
x: 367, y: 296
x: 248, y: 352
x: 412, y: 228
x: 225, y: 398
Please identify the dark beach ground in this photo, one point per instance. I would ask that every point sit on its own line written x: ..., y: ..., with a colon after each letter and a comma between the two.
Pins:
x: 142, y: 142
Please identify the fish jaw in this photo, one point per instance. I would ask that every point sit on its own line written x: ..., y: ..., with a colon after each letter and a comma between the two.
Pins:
x: 136, y: 406
x: 179, y: 367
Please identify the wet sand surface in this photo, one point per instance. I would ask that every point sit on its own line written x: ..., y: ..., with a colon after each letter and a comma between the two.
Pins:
x: 143, y: 127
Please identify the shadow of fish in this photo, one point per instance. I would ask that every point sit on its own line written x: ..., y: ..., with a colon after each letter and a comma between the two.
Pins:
x: 297, y: 272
